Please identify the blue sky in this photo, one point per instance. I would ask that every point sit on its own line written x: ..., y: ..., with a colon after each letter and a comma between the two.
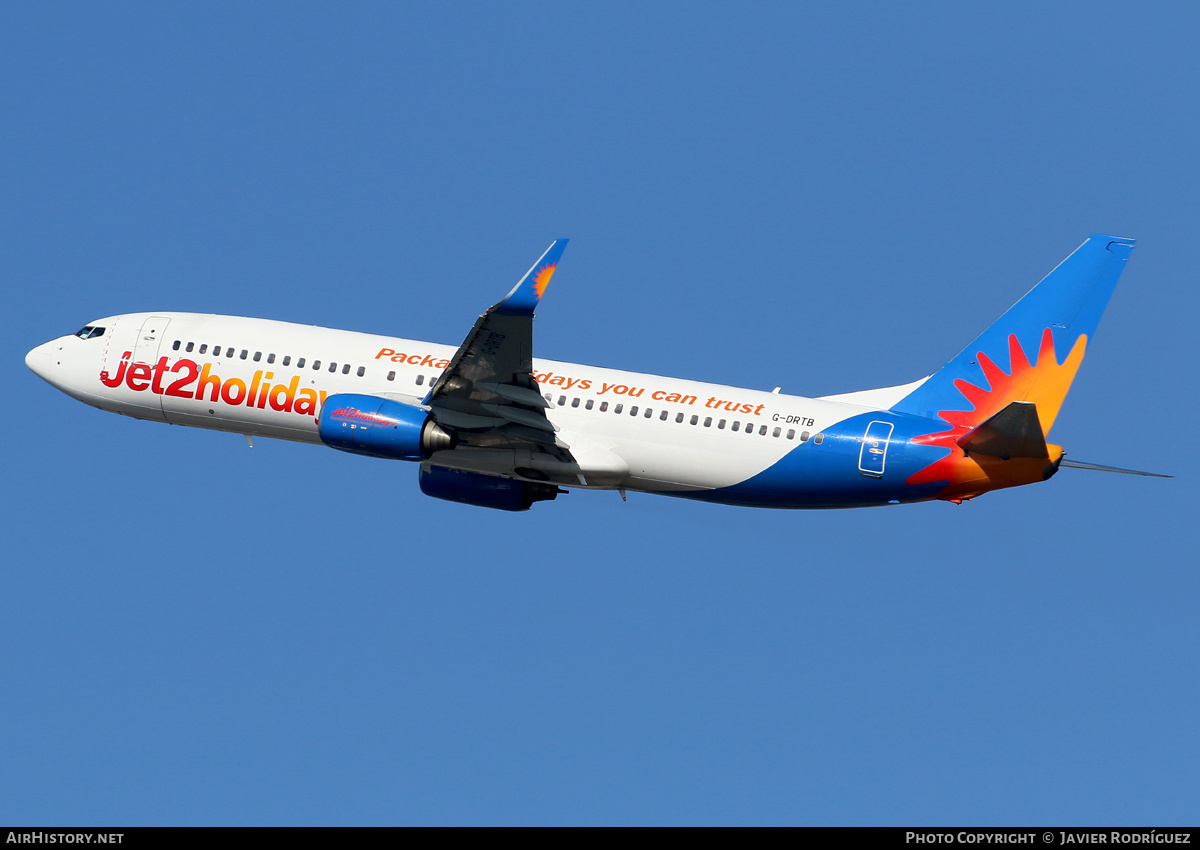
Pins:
x: 826, y: 198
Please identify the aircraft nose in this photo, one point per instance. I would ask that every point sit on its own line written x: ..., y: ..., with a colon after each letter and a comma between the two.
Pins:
x: 39, y: 360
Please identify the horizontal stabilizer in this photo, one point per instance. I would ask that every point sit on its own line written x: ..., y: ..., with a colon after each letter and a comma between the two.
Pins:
x: 1013, y: 432
x: 1078, y: 464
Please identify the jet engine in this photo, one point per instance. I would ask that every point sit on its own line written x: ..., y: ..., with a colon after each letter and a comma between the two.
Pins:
x: 379, y: 427
x: 485, y: 491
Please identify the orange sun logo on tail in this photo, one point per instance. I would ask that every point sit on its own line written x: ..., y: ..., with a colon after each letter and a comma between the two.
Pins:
x: 1044, y: 382
x: 542, y: 279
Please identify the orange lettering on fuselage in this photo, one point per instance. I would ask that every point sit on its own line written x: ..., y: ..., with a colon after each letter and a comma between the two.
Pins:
x: 715, y: 403
x: 428, y: 360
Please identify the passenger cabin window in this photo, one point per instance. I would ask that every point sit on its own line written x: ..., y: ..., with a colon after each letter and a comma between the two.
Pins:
x: 762, y: 432
x: 271, y: 358
x: 735, y: 425
x: 204, y: 348
x: 820, y: 438
x: 721, y: 425
x: 82, y: 335
x: 775, y: 433
x: 618, y: 408
x: 287, y: 360
x: 332, y: 367
x: 420, y: 380
x: 391, y: 376
x: 604, y: 407
x: 188, y: 347
x: 791, y: 433
x: 694, y: 420
x: 804, y: 435
x: 649, y: 413
x: 633, y: 410
x: 663, y: 416
x: 589, y: 404
x: 362, y: 370
x: 678, y: 417
x: 257, y: 356
x: 242, y: 356
x: 316, y: 365
x: 300, y: 363
x: 575, y: 402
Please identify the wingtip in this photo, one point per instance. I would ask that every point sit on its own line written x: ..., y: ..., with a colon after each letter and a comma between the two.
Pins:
x: 523, y: 299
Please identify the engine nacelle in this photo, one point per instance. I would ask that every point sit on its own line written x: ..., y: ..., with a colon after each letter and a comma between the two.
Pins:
x: 485, y: 491
x: 380, y: 427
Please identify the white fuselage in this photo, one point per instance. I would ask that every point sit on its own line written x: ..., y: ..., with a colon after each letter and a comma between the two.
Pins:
x: 267, y: 378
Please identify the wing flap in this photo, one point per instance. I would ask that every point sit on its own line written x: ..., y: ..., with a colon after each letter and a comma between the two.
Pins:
x: 521, y: 416
x: 520, y: 395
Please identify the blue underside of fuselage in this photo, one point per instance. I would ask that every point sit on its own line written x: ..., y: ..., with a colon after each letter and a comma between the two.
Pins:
x: 829, y: 476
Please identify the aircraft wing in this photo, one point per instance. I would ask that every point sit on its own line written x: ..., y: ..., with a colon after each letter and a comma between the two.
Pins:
x: 487, y: 394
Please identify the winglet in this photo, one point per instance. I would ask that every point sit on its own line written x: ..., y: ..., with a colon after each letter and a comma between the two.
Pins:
x: 523, y: 299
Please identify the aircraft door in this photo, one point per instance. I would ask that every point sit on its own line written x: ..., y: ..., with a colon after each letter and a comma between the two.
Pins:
x: 873, y: 454
x: 150, y: 336
x: 152, y: 332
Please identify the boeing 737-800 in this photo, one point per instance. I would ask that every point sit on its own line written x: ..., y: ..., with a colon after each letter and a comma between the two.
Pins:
x: 491, y: 425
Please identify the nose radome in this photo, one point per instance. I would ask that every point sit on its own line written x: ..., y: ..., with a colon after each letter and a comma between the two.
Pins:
x: 38, y: 360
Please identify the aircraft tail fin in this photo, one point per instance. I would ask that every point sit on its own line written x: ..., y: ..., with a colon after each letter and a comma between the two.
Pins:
x: 1032, y: 352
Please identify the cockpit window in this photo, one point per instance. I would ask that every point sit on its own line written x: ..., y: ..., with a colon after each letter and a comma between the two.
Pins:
x: 90, y: 332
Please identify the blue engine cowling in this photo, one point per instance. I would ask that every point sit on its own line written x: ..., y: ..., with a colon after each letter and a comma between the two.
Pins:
x: 485, y: 491
x: 380, y: 427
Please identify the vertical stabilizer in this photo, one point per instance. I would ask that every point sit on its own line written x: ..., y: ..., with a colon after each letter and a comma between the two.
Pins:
x: 1032, y: 352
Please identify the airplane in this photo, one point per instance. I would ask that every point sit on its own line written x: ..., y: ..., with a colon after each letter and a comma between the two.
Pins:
x: 490, y: 425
